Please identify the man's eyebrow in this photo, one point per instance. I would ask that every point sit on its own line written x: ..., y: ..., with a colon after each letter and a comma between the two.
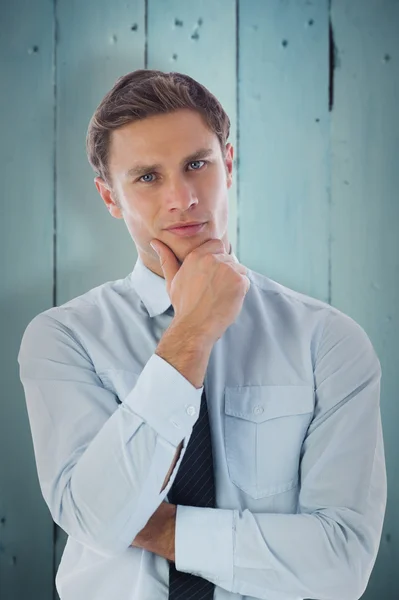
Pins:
x: 138, y: 169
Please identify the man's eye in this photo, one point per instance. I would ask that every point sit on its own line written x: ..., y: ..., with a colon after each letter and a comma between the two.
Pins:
x: 196, y: 162
x: 147, y: 175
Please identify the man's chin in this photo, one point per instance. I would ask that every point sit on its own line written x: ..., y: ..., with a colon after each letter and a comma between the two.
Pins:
x: 181, y: 250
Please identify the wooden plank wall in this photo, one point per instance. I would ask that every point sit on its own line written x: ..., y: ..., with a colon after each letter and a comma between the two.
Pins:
x: 26, y: 282
x: 312, y: 90
x: 364, y: 219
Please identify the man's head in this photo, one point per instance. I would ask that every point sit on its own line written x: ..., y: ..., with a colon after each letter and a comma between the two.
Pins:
x: 157, y: 142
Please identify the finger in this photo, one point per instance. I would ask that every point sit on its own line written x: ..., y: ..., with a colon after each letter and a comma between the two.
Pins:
x: 227, y: 258
x: 212, y: 246
x: 169, y: 263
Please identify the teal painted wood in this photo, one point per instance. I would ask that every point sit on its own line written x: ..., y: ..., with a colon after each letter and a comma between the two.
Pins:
x: 283, y: 213
x: 298, y: 182
x: 98, y: 41
x: 365, y: 219
x: 199, y: 39
x: 26, y: 269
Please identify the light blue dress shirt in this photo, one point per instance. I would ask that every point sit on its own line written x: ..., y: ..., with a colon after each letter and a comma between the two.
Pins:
x: 293, y: 389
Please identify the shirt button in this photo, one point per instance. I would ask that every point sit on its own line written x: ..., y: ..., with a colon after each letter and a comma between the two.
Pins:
x: 258, y: 410
x: 190, y: 410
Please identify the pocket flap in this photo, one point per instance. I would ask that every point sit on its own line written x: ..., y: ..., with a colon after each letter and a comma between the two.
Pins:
x: 259, y: 403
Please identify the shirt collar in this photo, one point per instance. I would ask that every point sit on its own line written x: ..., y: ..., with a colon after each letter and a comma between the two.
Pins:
x: 151, y: 288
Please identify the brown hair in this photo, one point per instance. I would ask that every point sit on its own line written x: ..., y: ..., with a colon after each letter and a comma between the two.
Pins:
x: 143, y: 93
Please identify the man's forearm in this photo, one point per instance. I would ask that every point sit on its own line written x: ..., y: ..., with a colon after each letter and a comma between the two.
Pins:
x: 188, y: 352
x: 158, y: 536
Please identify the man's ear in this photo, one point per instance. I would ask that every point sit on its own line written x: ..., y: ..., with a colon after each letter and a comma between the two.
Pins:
x: 108, y: 197
x: 228, y: 161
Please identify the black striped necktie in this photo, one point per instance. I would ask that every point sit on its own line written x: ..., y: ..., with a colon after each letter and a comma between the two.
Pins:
x: 194, y: 486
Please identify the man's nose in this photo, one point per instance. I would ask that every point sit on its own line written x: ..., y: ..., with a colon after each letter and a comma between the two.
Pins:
x: 181, y: 195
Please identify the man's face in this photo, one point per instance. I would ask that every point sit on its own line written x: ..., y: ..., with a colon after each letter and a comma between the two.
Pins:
x: 166, y: 169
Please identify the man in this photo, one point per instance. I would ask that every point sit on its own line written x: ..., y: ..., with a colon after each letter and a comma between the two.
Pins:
x: 200, y: 430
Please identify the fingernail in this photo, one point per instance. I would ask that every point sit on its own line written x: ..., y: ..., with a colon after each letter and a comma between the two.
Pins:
x: 154, y: 247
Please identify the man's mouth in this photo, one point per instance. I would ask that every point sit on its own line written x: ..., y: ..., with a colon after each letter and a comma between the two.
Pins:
x: 187, y: 230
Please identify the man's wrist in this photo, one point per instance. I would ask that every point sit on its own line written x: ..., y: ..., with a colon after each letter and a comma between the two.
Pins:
x: 186, y: 350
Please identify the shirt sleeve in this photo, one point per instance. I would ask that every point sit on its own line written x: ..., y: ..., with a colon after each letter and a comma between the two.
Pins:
x: 328, y: 548
x: 101, y: 465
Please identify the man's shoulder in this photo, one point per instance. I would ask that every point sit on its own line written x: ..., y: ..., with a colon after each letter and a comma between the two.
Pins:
x: 85, y: 308
x: 269, y: 287
x: 323, y: 318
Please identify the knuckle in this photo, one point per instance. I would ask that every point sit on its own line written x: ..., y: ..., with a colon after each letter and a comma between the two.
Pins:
x: 226, y: 267
x: 208, y: 260
x: 217, y: 242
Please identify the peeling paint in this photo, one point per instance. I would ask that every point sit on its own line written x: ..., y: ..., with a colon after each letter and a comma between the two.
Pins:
x: 195, y: 34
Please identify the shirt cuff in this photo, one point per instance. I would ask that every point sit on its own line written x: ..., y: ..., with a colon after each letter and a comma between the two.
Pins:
x: 165, y: 400
x: 204, y: 543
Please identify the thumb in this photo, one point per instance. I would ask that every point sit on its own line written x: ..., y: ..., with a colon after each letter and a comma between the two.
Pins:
x: 169, y: 263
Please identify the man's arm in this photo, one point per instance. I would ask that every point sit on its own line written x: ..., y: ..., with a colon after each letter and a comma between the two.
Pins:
x: 329, y: 548
x: 101, y: 466
x: 188, y: 352
x: 158, y: 536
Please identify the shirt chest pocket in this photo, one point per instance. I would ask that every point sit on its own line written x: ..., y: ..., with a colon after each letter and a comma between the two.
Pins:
x: 264, y: 430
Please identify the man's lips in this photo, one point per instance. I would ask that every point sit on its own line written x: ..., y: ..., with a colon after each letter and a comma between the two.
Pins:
x: 187, y: 230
